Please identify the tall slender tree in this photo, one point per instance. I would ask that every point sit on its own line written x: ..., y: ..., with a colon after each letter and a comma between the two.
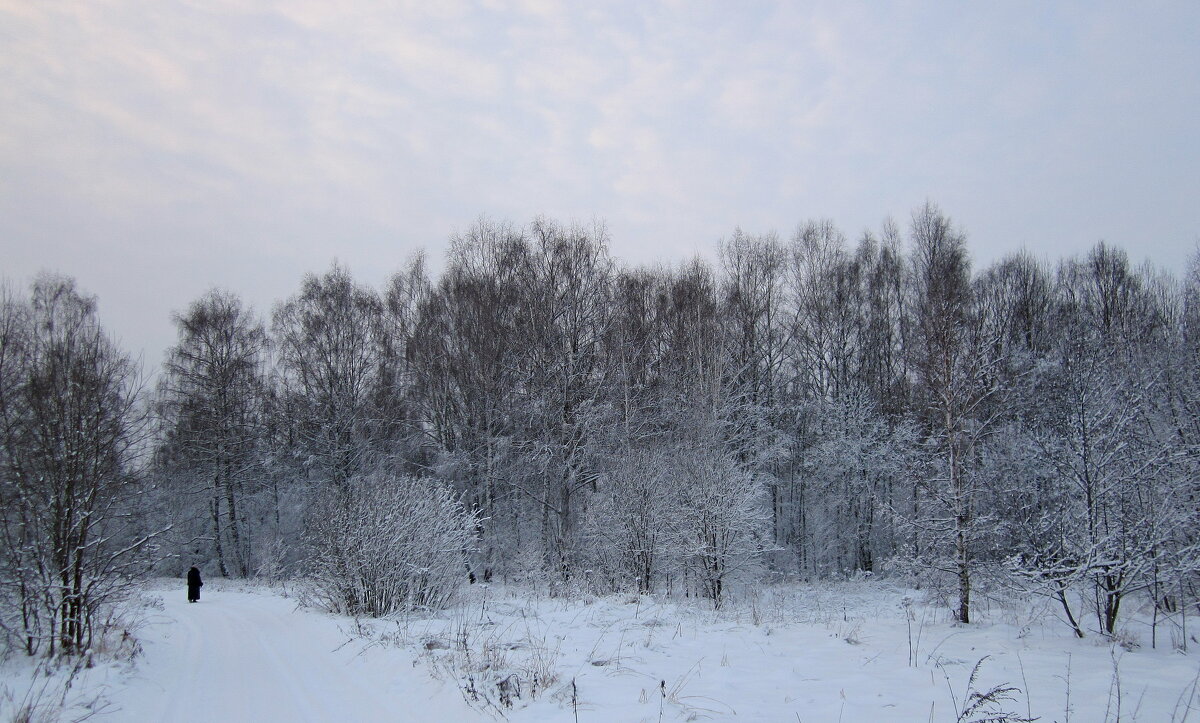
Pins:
x: 213, y: 395
x: 957, y: 375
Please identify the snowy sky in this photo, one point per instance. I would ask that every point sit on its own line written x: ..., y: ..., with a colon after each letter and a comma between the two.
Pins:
x: 154, y: 149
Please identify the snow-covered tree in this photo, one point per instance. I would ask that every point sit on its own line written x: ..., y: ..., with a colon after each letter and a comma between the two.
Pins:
x: 213, y: 398
x: 328, y: 340
x: 1098, y: 512
x: 957, y: 374
x: 72, y: 428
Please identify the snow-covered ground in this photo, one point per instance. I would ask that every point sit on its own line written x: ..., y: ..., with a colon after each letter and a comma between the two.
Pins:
x: 246, y: 653
x: 836, y: 652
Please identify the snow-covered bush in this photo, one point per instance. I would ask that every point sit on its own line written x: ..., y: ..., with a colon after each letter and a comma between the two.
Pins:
x: 386, y: 543
x: 853, y: 460
x: 721, y: 523
x: 628, y: 522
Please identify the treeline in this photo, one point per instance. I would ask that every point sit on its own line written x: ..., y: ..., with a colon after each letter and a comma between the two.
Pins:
x: 802, y: 408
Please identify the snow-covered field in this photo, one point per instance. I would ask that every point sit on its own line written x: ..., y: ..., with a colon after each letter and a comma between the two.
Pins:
x: 837, y: 652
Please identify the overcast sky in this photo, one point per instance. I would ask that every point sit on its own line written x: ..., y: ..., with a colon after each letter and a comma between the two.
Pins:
x: 155, y: 149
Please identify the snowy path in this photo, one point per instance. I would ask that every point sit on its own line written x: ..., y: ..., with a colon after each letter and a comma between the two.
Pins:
x: 240, y: 656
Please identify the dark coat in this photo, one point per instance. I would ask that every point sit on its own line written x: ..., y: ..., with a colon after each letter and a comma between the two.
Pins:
x: 194, y: 585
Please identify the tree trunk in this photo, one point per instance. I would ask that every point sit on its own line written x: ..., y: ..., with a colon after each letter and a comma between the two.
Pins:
x: 1062, y: 598
x: 239, y: 555
x: 215, y: 508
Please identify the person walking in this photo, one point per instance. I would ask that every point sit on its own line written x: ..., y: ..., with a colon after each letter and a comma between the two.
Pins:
x: 194, y: 585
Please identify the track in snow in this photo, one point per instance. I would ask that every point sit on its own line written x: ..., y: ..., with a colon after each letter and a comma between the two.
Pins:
x: 251, y: 656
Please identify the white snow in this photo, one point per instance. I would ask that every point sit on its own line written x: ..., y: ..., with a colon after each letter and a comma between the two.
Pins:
x: 247, y: 654
x: 835, y: 652
x: 831, y: 652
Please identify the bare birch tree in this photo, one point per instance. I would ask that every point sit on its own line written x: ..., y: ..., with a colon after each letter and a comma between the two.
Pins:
x: 213, y: 396
x: 72, y: 428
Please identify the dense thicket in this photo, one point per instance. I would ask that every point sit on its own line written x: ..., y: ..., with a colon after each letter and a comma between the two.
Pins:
x: 801, y: 408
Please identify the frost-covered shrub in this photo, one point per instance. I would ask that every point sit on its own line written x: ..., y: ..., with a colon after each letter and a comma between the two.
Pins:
x: 720, y: 524
x: 386, y: 543
x: 685, y: 513
x: 627, y: 528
